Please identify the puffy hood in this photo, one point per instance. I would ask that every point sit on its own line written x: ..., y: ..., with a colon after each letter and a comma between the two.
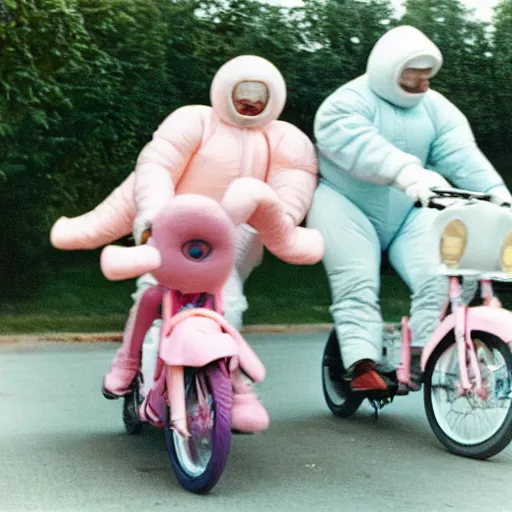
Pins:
x: 247, y: 68
x: 400, y: 48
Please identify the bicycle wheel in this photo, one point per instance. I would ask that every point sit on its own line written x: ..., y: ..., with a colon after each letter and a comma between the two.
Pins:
x: 200, y: 460
x: 341, y: 400
x: 471, y: 425
x: 132, y: 402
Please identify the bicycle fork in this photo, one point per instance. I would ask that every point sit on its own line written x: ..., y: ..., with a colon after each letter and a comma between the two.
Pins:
x: 466, y: 354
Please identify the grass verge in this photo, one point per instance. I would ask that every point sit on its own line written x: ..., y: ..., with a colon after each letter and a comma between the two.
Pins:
x: 80, y: 299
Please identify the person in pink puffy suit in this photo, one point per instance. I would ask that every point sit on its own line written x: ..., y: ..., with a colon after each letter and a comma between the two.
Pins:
x: 202, y: 150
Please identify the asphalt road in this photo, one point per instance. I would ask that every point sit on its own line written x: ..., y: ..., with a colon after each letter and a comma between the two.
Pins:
x: 63, y: 446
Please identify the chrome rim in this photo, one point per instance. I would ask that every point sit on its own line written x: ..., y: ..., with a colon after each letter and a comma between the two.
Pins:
x: 471, y: 418
x: 194, y: 453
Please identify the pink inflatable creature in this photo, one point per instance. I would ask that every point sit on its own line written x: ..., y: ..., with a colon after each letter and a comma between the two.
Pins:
x: 202, y: 150
x: 191, y: 252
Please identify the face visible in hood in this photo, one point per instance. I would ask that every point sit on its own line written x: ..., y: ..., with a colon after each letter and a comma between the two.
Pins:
x: 248, y: 91
x: 402, y: 52
x: 250, y: 98
x: 415, y: 81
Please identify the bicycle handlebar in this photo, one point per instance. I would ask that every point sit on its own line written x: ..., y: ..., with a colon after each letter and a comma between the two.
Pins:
x: 455, y: 193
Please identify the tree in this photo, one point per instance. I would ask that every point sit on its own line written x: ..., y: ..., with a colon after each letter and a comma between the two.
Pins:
x: 502, y: 82
x: 466, y: 77
x: 82, y: 84
x: 44, y: 50
x: 335, y: 38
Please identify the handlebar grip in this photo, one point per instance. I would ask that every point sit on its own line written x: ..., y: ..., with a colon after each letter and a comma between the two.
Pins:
x: 431, y: 204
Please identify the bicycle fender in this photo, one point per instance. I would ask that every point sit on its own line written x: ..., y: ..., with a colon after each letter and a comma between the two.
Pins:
x: 496, y: 321
x: 196, y: 341
x: 229, y: 341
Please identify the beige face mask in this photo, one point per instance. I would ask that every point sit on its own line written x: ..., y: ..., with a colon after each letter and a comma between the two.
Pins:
x: 250, y: 98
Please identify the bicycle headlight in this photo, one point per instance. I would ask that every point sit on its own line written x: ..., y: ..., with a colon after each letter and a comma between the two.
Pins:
x: 453, y: 243
x: 506, y: 253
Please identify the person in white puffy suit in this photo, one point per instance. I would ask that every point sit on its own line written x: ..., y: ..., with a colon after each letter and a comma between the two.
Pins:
x: 384, y: 141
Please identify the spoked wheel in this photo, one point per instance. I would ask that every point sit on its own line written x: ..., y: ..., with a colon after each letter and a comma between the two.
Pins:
x: 341, y: 400
x: 475, y: 424
x: 132, y: 402
x: 200, y: 460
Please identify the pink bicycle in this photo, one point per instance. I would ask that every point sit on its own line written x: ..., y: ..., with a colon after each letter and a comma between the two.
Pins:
x: 467, y: 364
x: 188, y: 384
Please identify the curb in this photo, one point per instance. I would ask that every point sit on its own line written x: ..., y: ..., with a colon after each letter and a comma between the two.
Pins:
x: 76, y: 337
x: 102, y: 337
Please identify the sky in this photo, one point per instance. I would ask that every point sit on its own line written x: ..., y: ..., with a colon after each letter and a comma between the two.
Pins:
x: 483, y: 8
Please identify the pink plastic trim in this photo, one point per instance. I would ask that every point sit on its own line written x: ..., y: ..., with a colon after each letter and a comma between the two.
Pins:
x: 462, y: 332
x: 487, y: 294
x: 493, y: 320
x: 404, y: 370
x: 176, y: 392
x: 196, y: 341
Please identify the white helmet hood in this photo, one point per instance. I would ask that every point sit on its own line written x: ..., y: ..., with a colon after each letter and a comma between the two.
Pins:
x: 400, y: 48
x: 247, y: 68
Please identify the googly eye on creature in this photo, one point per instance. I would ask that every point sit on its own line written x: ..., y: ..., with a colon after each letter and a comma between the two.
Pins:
x: 191, y: 248
x: 196, y: 250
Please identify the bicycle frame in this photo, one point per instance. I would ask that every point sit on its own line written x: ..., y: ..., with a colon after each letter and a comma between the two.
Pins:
x: 467, y: 360
x: 191, y: 248
x: 181, y: 347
